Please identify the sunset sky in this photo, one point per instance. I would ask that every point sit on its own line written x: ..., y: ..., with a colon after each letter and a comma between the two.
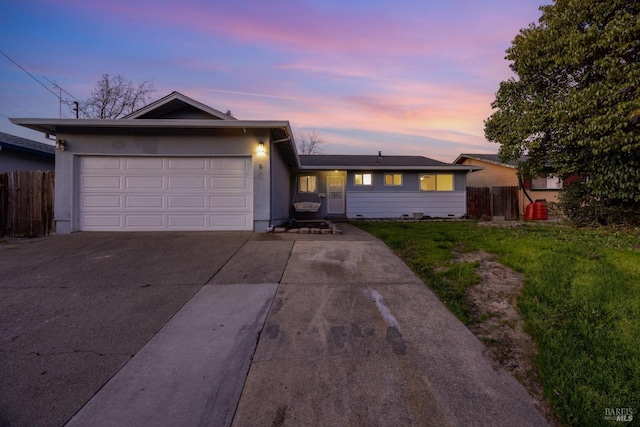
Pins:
x: 413, y: 77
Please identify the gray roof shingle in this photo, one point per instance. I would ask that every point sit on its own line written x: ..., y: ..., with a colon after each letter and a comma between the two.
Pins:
x: 28, y: 145
x: 345, y: 161
x: 492, y: 158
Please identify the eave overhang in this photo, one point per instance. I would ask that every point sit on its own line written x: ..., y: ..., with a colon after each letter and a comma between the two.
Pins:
x: 55, y: 126
x: 462, y: 157
x: 280, y: 130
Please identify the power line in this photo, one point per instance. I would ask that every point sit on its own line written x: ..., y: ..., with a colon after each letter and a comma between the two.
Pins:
x: 16, y: 105
x: 30, y: 75
x: 60, y: 101
x: 57, y: 86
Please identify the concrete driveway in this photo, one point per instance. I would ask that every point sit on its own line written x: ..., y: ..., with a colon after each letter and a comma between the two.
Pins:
x: 239, y: 328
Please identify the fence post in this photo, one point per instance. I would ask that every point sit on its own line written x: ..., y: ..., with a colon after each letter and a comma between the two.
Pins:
x: 4, y: 204
x: 479, y: 202
x: 26, y: 203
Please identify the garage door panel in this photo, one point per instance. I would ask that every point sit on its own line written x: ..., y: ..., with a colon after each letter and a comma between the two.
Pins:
x: 102, y: 202
x: 139, y: 201
x: 187, y: 202
x: 187, y: 183
x: 103, y: 222
x: 227, y: 183
x: 195, y: 164
x: 166, y: 193
x: 101, y: 163
x: 229, y: 164
x: 187, y: 221
x: 101, y: 182
x: 144, y: 164
x: 144, y: 182
x: 230, y: 202
x: 146, y: 221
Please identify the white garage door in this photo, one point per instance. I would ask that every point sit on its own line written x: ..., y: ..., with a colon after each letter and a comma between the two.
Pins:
x: 165, y: 193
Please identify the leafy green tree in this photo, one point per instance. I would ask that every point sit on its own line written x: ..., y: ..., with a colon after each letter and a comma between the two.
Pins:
x: 574, y: 108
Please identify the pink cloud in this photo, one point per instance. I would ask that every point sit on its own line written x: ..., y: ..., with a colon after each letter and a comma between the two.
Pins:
x: 458, y: 119
x: 306, y: 26
x: 427, y: 73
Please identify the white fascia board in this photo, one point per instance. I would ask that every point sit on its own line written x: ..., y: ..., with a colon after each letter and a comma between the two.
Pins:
x: 52, y: 126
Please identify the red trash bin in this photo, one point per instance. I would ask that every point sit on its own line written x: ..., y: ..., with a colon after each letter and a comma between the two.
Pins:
x: 528, y: 213
x: 540, y: 211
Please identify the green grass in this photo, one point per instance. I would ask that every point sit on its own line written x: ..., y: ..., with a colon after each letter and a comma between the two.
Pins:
x: 580, y: 303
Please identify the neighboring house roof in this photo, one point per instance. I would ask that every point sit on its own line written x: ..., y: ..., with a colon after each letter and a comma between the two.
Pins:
x: 489, y: 158
x: 26, y: 145
x: 176, y: 102
x: 364, y: 162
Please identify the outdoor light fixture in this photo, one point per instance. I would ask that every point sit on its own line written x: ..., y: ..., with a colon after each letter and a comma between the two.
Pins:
x: 61, y: 144
x: 261, y: 147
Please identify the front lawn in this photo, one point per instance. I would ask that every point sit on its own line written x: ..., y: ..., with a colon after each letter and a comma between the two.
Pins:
x: 580, y: 303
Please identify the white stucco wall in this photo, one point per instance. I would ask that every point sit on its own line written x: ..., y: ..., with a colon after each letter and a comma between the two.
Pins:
x: 63, y: 199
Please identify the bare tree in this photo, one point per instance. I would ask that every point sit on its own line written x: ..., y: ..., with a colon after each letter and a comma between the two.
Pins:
x: 115, y: 97
x: 310, y: 143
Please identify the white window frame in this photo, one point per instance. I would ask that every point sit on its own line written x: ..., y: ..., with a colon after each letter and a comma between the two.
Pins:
x: 309, y: 179
x: 393, y: 176
x: 551, y: 182
x: 363, y: 179
x: 436, y: 175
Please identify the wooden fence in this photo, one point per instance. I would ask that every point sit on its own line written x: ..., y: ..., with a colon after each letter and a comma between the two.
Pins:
x: 26, y: 203
x: 483, y: 202
x: 479, y: 202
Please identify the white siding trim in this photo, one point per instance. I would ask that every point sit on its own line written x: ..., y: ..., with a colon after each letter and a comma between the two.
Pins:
x: 437, y: 204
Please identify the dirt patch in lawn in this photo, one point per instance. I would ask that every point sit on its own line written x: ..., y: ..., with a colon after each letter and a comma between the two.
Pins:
x: 496, y: 321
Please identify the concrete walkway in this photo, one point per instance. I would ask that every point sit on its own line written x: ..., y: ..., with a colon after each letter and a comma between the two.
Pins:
x: 355, y: 338
x: 275, y: 329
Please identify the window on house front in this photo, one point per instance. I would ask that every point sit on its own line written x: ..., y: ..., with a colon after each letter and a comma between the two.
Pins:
x: 392, y: 179
x: 308, y: 184
x: 362, y: 179
x: 546, y: 183
x: 436, y: 182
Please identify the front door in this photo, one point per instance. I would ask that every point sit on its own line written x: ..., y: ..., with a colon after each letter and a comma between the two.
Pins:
x: 335, y: 195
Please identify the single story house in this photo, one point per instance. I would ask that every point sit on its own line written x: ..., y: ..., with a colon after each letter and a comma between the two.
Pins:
x: 21, y: 154
x: 177, y: 164
x: 496, y: 173
x: 370, y: 186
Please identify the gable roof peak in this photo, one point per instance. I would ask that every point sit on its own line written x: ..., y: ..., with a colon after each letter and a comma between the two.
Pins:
x: 489, y: 158
x: 174, y: 102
